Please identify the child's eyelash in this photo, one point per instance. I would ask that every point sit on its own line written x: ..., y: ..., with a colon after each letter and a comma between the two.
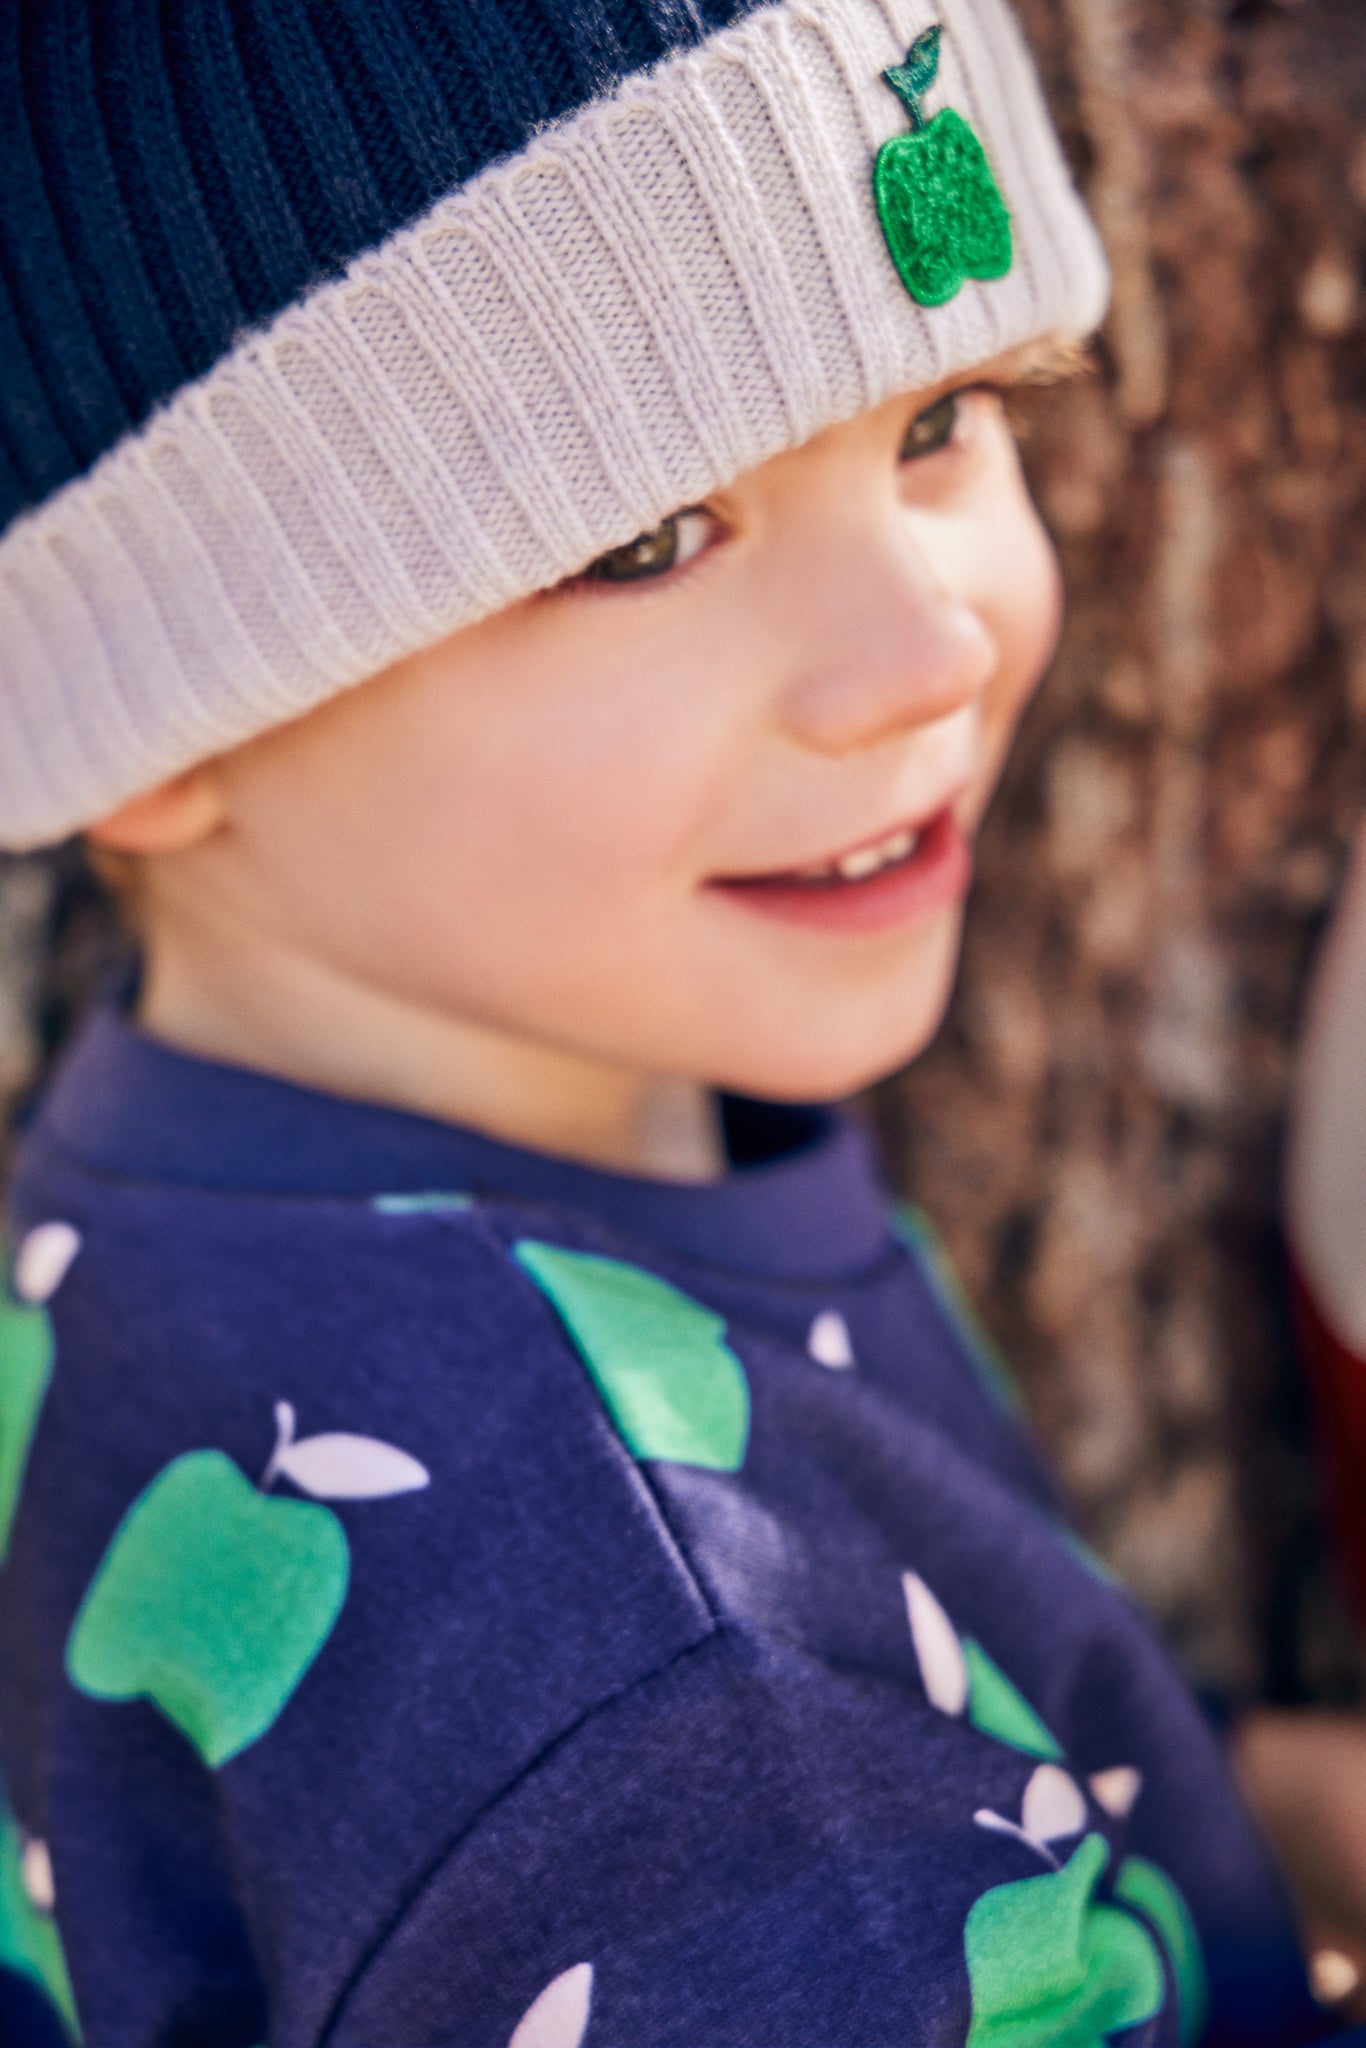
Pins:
x: 652, y: 558
x: 935, y: 428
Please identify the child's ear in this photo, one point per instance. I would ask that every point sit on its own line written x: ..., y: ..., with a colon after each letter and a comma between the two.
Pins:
x: 168, y: 819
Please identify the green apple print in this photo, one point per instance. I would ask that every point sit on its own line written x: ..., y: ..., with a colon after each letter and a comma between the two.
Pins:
x: 26, y: 1353
x: 215, y: 1596
x: 29, y: 1942
x: 25, y: 1370
x: 1052, y: 1966
x: 669, y: 1381
x: 998, y: 1708
x: 1143, y: 1885
x: 940, y: 207
x: 1048, y: 1962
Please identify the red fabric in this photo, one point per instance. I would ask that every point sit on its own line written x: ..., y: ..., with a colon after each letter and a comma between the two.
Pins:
x: 1337, y: 1376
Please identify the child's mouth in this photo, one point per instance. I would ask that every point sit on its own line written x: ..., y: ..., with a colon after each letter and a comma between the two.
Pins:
x: 907, y: 874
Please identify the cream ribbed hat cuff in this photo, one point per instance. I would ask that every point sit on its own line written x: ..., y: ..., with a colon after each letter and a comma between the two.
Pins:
x: 655, y: 295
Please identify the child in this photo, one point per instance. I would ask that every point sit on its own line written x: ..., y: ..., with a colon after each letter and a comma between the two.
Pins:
x: 506, y: 1543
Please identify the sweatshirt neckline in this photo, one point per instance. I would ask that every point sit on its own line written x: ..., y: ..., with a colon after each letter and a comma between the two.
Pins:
x: 128, y: 1107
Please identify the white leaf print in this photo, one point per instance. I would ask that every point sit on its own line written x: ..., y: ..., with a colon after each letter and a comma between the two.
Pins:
x: 36, y: 1869
x: 43, y: 1259
x: 1053, y: 1806
x: 997, y: 1824
x: 943, y: 1671
x: 828, y: 1341
x: 1117, y: 1789
x: 339, y: 1466
x: 559, y: 2017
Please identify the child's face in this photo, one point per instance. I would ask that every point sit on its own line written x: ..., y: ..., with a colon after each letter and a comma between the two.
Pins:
x: 588, y: 821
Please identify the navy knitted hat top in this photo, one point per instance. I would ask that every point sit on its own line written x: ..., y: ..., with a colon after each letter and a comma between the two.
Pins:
x: 328, y: 326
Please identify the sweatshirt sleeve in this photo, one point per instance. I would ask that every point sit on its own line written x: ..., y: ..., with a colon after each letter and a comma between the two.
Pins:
x: 748, y: 1850
x: 322, y: 1536
x: 739, y: 1852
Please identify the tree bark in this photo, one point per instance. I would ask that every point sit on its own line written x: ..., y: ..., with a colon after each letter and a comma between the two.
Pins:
x: 1098, y: 1128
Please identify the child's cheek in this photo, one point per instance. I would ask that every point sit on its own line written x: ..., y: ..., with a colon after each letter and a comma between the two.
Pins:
x: 1026, y: 612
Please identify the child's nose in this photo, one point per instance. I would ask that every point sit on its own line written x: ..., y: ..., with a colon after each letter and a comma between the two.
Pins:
x: 880, y: 647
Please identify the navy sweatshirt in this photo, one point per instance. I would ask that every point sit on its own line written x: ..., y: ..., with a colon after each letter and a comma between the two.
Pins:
x: 453, y: 1596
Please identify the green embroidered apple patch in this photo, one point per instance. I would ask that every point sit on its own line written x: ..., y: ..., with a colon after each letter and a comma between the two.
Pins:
x: 939, y: 204
x: 215, y: 1596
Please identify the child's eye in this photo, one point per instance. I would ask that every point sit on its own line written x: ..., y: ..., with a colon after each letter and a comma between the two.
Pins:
x: 673, y: 542
x: 932, y: 429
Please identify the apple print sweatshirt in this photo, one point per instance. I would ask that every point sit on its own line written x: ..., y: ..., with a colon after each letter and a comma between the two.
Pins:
x: 453, y: 1596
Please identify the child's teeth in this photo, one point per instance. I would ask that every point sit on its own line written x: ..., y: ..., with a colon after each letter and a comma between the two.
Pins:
x: 853, y: 867
x: 864, y: 861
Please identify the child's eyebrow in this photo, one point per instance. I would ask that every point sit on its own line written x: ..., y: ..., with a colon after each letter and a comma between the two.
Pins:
x: 1050, y: 359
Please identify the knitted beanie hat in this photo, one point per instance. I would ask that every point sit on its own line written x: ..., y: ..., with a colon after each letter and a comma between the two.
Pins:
x: 329, y: 326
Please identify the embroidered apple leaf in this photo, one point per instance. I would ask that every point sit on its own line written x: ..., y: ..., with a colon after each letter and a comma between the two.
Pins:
x: 339, y: 1466
x: 558, y: 2018
x: 913, y: 79
x: 943, y: 1668
x: 667, y: 1377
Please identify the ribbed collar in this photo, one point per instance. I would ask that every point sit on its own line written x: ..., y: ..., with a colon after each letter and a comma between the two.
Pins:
x: 124, y: 1105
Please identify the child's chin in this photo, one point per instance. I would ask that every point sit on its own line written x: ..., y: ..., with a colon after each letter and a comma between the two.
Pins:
x: 838, y: 1081
x: 844, y: 1063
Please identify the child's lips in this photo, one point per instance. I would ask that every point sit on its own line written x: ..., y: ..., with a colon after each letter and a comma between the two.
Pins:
x: 907, y: 874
